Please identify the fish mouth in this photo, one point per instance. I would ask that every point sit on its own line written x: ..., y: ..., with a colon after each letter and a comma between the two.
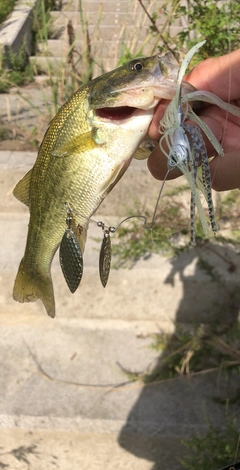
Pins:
x: 118, y: 113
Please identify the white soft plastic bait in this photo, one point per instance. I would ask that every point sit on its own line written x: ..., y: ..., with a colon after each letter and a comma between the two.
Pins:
x: 185, y: 144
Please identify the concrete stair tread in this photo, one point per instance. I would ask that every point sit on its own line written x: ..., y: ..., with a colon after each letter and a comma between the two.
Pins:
x: 73, y: 450
x: 57, y: 377
x: 55, y: 359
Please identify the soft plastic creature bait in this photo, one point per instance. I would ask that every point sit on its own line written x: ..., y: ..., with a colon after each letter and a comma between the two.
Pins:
x: 185, y: 145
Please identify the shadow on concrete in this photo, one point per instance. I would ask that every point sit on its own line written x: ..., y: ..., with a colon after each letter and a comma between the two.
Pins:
x: 171, y: 410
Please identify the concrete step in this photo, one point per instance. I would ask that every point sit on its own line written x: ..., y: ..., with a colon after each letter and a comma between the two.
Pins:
x: 61, y: 48
x: 106, y: 32
x: 17, y: 27
x: 91, y: 6
x: 59, y: 66
x: 159, y: 289
x: 61, y: 381
x: 73, y: 450
x: 62, y: 377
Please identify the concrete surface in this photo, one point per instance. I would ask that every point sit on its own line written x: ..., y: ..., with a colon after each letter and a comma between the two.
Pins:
x: 63, y: 390
x: 75, y: 450
x: 17, y: 27
x: 109, y: 34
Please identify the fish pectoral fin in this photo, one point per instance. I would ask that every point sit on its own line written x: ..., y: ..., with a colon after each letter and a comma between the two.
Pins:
x: 141, y: 154
x: 29, y: 287
x: 81, y: 142
x: 22, y: 189
x: 114, y: 178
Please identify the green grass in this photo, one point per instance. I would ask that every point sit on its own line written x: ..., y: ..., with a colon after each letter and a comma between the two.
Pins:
x: 135, y: 240
x: 170, y: 232
x: 15, y: 70
x: 6, y: 7
x: 214, y: 450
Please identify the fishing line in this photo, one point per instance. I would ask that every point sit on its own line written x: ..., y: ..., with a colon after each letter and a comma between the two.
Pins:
x: 113, y: 229
x: 70, y: 253
x: 229, y: 77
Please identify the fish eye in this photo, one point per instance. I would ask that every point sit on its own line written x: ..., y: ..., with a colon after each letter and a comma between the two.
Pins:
x: 137, y: 66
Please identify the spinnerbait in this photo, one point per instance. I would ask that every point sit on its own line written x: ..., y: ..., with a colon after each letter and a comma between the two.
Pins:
x: 185, y: 144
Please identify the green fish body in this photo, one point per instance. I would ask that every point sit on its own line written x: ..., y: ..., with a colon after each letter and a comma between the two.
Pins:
x: 86, y: 149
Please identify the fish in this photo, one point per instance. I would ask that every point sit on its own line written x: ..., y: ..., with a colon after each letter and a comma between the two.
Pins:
x: 86, y: 149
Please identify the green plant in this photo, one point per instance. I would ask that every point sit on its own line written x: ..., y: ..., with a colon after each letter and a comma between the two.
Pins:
x: 5, y: 133
x: 75, y: 68
x: 169, y: 234
x: 216, y: 449
x: 6, y: 7
x: 15, y: 69
x: 186, y: 352
x: 217, y: 22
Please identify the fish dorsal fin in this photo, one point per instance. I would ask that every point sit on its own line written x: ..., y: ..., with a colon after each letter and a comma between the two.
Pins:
x: 141, y: 154
x: 84, y: 142
x: 22, y: 189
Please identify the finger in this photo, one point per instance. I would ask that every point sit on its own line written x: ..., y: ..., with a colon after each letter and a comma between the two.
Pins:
x: 160, y: 109
x: 225, y: 171
x: 216, y: 129
x: 157, y: 161
x: 157, y: 165
x: 219, y: 75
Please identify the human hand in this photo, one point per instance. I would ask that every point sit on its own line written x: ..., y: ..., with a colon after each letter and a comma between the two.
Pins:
x: 220, y: 76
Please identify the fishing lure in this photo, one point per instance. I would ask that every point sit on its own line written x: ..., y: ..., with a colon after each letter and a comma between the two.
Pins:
x: 70, y: 255
x: 105, y: 253
x: 185, y: 145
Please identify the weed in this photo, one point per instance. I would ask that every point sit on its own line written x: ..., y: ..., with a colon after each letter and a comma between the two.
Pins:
x: 169, y: 234
x: 6, y: 7
x: 5, y: 133
x: 186, y: 352
x: 217, y: 22
x: 15, y: 69
x: 216, y: 449
x: 229, y: 211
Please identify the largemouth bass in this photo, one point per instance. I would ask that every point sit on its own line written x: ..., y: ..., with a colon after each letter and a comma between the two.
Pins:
x: 87, y: 147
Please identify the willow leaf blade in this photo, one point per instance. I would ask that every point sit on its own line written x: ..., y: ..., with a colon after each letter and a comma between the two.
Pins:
x: 71, y: 260
x: 105, y: 259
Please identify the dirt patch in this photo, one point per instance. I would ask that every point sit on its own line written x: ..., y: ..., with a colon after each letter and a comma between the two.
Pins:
x: 17, y: 145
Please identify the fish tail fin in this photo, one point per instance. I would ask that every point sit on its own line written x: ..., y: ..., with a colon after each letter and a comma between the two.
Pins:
x: 29, y: 287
